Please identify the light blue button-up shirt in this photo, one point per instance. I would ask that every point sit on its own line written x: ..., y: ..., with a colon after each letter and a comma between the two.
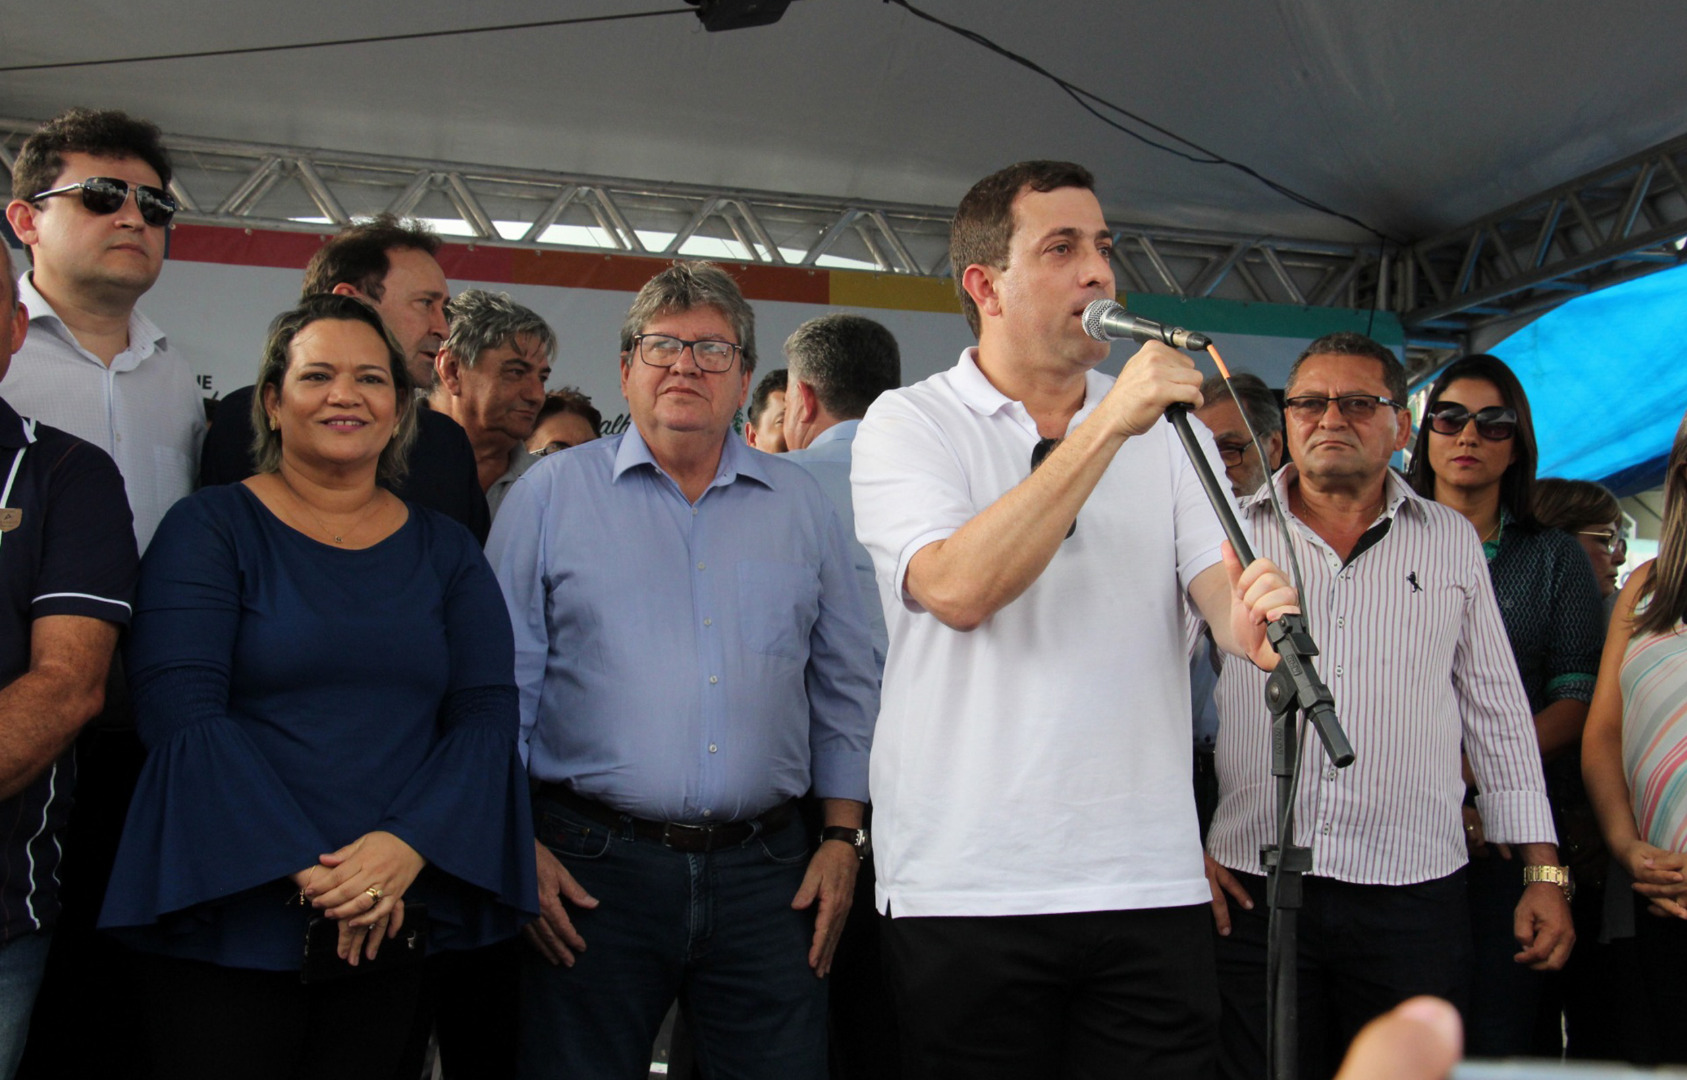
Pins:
x: 685, y: 662
x: 827, y: 460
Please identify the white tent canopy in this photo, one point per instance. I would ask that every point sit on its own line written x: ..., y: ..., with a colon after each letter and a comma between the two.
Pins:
x: 1412, y: 115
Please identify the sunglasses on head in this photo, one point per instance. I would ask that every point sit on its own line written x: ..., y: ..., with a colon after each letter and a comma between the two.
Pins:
x: 106, y: 195
x: 1496, y: 423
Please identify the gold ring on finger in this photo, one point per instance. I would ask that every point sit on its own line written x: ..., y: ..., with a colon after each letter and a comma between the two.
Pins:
x: 374, y: 892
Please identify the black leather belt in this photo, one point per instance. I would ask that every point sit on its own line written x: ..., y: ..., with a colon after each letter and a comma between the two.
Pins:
x: 691, y: 839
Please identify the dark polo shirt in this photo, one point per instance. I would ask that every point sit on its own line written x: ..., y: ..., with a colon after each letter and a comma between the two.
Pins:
x: 67, y: 547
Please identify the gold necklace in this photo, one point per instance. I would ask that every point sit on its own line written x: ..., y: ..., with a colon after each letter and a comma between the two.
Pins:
x: 340, y: 537
x: 1495, y: 531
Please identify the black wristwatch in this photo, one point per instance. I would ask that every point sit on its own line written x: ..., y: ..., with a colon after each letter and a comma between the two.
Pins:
x: 855, y: 838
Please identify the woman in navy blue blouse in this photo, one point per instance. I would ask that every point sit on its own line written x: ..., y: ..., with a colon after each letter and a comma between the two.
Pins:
x: 322, y: 674
x: 1475, y: 452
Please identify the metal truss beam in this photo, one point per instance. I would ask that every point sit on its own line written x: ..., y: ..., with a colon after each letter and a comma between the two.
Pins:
x: 250, y: 185
x: 1613, y: 224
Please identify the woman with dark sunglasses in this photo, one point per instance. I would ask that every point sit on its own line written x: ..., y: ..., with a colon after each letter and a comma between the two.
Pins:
x: 1475, y: 452
x: 1635, y: 760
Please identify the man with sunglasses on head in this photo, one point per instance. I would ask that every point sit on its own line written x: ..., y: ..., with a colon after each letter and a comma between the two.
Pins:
x: 693, y: 655
x: 91, y: 204
x: 1414, y: 652
x: 1038, y: 534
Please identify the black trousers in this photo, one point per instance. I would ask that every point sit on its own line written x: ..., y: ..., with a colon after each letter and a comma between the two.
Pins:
x: 1363, y: 950
x: 206, y: 1022
x: 1055, y: 997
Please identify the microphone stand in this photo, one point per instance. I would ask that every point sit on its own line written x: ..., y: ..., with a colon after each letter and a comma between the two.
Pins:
x: 1293, y: 687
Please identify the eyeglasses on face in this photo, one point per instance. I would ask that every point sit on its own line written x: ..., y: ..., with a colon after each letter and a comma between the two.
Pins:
x: 106, y: 195
x: 1311, y: 408
x: 1232, y: 453
x: 1038, y: 453
x: 661, y: 350
x: 1611, y: 540
x: 1496, y: 423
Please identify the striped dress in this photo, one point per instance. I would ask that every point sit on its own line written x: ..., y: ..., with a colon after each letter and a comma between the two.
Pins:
x: 1654, y: 683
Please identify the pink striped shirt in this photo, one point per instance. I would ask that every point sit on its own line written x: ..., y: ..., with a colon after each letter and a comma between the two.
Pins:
x: 1654, y: 676
x: 1417, y: 658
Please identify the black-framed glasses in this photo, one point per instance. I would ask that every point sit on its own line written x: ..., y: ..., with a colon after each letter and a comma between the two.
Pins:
x: 1611, y: 540
x: 663, y: 350
x: 1038, y: 453
x: 106, y: 195
x: 1232, y: 453
x: 1311, y: 408
x: 1496, y: 423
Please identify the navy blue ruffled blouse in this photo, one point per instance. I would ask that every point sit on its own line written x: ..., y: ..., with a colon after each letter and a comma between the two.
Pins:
x: 293, y: 696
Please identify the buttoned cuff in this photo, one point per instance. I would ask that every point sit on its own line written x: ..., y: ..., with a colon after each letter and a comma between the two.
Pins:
x: 1516, y: 817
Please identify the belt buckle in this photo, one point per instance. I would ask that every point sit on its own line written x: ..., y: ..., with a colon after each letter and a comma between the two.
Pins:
x: 705, y: 832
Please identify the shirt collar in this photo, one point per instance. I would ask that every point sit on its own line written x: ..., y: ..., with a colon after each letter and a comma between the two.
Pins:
x: 15, y: 432
x: 736, y: 460
x: 145, y: 338
x: 842, y: 431
x: 1396, y: 494
x: 980, y: 395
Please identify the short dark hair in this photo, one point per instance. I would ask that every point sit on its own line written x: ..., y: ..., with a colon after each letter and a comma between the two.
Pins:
x: 357, y: 255
x: 774, y: 381
x: 1348, y: 343
x: 1252, y: 396
x: 1574, y: 505
x: 272, y: 370
x: 848, y: 359
x: 570, y: 399
x: 10, y: 296
x: 687, y: 285
x: 1517, y: 483
x: 102, y: 133
x: 982, y: 229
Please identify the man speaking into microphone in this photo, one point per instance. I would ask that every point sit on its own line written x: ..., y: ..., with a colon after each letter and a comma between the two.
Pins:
x: 1037, y: 533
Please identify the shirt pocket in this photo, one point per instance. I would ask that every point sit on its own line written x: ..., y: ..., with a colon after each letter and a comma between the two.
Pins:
x: 777, y: 606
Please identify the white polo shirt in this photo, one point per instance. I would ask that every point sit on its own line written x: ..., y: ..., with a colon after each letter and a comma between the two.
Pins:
x: 145, y: 410
x: 1040, y: 763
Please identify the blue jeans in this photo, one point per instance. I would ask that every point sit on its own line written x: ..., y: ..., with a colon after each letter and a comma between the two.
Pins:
x: 21, y: 963
x: 716, y: 931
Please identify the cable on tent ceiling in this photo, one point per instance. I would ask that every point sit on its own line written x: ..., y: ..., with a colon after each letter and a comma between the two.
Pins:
x: 1202, y: 155
x: 579, y: 21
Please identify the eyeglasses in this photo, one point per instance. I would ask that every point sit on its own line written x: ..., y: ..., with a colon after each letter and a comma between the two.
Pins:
x: 1311, y: 409
x: 1231, y: 453
x: 660, y: 350
x: 1613, y: 542
x: 106, y: 195
x: 1496, y: 423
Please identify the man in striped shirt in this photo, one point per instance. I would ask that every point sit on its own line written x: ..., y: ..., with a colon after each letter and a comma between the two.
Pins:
x: 1399, y: 600
x: 67, y: 576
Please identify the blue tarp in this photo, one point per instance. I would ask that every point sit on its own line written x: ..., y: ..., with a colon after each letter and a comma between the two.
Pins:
x: 1606, y: 375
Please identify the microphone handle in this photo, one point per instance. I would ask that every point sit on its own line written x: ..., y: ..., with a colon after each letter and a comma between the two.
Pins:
x: 1178, y: 417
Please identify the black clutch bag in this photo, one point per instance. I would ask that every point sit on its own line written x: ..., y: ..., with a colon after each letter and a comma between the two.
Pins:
x: 322, y: 940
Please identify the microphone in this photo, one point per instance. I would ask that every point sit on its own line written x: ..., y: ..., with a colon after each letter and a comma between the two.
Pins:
x: 1106, y: 320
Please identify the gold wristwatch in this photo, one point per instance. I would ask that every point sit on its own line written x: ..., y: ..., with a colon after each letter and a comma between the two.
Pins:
x: 1557, y: 875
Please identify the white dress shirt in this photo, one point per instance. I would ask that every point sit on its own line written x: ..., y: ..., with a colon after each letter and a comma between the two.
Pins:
x: 145, y: 410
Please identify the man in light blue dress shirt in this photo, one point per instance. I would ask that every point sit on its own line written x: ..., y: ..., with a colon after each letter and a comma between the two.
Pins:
x: 692, y: 655
x: 838, y: 365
